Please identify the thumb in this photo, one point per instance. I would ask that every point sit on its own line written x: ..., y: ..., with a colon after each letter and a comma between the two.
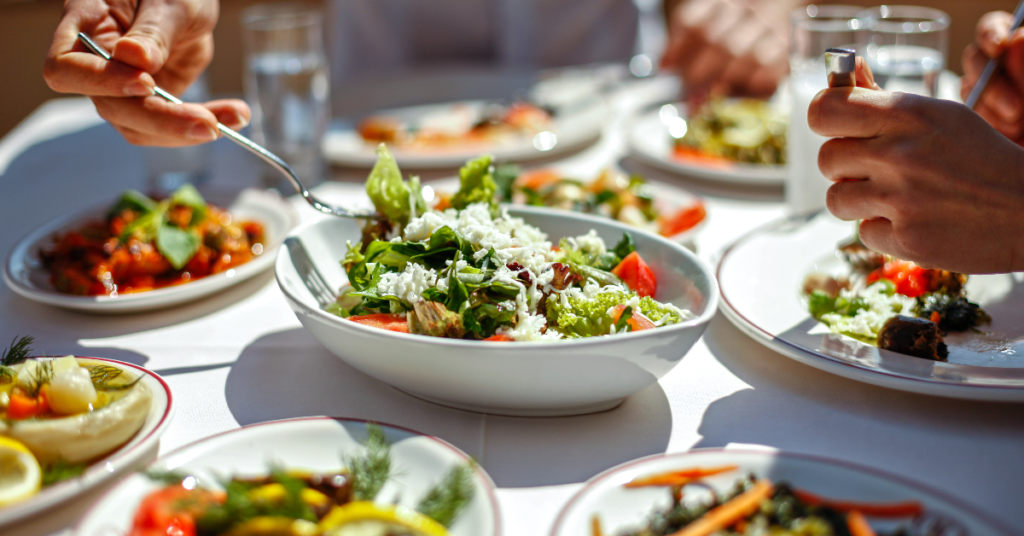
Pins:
x: 157, y: 27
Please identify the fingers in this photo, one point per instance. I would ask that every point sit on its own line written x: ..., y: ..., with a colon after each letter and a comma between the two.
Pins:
x: 160, y: 26
x: 848, y: 158
x: 851, y: 200
x: 878, y: 235
x: 865, y: 78
x: 154, y: 121
x: 70, y: 68
x: 991, y: 32
x: 233, y: 113
x: 852, y: 112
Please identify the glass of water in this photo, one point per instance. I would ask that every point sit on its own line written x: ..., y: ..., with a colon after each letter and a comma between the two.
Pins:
x: 286, y: 84
x: 906, y: 47
x: 813, y: 29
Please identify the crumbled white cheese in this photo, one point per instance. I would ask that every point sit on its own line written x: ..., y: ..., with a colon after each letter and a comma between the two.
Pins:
x: 409, y: 284
x: 589, y: 243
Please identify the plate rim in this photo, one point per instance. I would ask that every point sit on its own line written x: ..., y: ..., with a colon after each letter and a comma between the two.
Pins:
x: 710, y: 309
x: 833, y: 365
x: 490, y: 486
x: 705, y: 174
x: 98, y: 473
x: 159, y: 298
x: 846, y: 464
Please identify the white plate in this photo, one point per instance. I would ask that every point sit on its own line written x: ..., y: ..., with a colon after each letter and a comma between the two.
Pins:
x: 761, y: 276
x: 543, y: 378
x: 620, y: 508
x: 572, y: 129
x: 125, y: 458
x: 24, y: 273
x: 650, y: 142
x: 667, y: 198
x: 316, y: 443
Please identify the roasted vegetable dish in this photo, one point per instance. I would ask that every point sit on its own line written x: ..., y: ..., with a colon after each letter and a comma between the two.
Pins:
x: 630, y: 200
x: 58, y: 415
x: 895, y: 304
x: 474, y: 272
x: 144, y: 244
x: 291, y: 502
x: 734, y: 130
x: 758, y: 506
x: 458, y: 126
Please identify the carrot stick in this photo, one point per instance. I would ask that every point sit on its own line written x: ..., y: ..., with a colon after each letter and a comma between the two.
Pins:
x: 858, y: 525
x: 678, y: 478
x: 891, y: 510
x: 728, y: 514
x: 595, y: 527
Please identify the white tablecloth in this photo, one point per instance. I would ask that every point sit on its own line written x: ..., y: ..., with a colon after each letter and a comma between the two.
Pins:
x: 241, y: 357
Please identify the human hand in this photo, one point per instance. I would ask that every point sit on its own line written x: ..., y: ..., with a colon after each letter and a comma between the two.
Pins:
x: 932, y: 182
x: 167, y: 43
x: 1002, y: 102
x: 733, y: 46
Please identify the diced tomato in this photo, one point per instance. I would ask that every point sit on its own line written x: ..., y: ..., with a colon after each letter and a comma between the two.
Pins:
x: 684, y: 219
x: 499, y: 337
x: 537, y: 179
x: 22, y: 406
x: 171, y: 511
x: 910, y: 279
x: 638, y: 321
x: 386, y: 321
x: 637, y: 275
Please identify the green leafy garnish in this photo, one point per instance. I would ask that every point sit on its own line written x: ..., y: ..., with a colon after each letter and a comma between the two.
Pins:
x: 18, y: 351
x: 622, y: 324
x: 394, y: 198
x: 446, y: 500
x: 167, y: 478
x: 373, y: 469
x: 132, y: 200
x: 505, y: 176
x: 60, y: 471
x: 476, y: 184
x: 589, y: 317
x: 176, y: 244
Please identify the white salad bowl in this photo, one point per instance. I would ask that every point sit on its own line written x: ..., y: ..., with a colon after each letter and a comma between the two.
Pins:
x: 512, y: 378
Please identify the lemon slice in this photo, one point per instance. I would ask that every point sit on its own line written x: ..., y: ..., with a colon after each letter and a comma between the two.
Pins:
x: 20, y: 475
x: 362, y: 517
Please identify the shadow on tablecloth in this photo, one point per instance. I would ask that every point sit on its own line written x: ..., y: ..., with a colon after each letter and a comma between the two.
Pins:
x: 970, y: 446
x: 289, y: 374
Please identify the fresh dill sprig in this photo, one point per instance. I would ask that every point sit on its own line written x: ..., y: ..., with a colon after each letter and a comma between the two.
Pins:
x: 373, y: 469
x: 103, y: 375
x: 40, y: 376
x: 60, y: 471
x: 446, y: 500
x: 18, y: 351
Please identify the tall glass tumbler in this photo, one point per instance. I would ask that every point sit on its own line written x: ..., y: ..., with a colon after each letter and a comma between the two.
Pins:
x: 286, y: 84
x: 813, y: 29
x: 906, y: 47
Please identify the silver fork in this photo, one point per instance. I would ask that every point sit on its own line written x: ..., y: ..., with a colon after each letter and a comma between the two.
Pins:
x: 311, y: 277
x: 253, y: 148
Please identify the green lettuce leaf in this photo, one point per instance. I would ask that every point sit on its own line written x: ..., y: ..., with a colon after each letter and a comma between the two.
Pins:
x: 589, y: 317
x: 394, y: 198
x: 476, y: 184
x: 132, y: 200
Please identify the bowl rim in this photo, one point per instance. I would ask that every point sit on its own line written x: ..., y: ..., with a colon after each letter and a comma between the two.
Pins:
x: 710, y: 307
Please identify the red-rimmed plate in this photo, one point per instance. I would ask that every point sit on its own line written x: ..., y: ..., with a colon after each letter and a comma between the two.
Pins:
x: 620, y: 508
x: 315, y: 443
x: 129, y: 456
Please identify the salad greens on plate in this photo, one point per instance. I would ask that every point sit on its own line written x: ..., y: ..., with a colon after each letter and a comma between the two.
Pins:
x: 472, y: 271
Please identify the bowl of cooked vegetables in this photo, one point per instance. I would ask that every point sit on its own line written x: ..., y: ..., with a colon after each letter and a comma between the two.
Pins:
x: 500, y: 309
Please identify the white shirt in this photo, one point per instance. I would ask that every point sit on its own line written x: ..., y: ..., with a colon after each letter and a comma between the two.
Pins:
x: 383, y: 36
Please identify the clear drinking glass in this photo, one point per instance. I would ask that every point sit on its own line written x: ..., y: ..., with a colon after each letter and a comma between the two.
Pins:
x: 813, y: 29
x: 906, y: 47
x: 286, y: 84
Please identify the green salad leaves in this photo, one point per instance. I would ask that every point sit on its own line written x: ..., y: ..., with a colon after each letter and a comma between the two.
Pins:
x: 169, y: 224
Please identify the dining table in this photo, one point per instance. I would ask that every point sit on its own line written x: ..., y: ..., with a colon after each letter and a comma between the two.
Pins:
x: 241, y: 357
